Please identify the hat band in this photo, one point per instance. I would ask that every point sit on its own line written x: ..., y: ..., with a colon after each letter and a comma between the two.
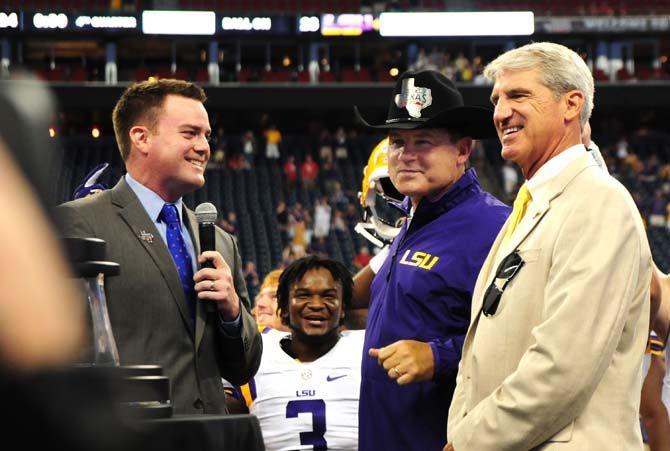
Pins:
x: 408, y: 119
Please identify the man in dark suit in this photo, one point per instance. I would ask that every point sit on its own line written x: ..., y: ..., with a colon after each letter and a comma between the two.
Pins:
x: 164, y: 310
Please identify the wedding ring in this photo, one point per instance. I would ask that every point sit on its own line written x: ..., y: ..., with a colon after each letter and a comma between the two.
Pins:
x: 398, y: 373
x: 211, y: 286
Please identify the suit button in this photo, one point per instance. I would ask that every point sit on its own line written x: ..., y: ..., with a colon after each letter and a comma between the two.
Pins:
x: 198, y: 404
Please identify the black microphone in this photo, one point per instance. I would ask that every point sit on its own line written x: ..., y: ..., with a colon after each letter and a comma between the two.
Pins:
x: 206, y: 215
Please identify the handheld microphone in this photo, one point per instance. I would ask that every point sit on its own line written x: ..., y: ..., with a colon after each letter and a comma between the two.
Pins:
x: 206, y: 215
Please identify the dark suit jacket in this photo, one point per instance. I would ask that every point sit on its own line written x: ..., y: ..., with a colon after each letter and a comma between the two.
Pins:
x: 146, y: 303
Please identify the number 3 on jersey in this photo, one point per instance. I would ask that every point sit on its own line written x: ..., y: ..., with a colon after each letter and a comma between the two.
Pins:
x: 318, y: 410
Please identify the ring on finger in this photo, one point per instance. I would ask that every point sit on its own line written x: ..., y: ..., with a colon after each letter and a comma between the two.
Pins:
x: 396, y: 371
x: 211, y: 286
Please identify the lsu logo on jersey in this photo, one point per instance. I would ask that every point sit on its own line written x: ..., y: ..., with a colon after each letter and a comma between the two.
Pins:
x: 303, y: 393
x: 419, y: 259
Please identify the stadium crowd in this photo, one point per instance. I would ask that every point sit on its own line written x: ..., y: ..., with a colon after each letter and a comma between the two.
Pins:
x: 293, y: 203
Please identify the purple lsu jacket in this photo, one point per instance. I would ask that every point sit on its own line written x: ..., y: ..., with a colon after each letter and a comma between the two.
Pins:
x: 423, y: 292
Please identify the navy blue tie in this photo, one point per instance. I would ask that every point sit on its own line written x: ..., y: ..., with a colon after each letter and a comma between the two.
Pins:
x: 180, y: 255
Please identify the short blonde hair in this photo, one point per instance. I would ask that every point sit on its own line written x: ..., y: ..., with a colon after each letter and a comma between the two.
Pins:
x: 561, y: 70
x: 271, y: 279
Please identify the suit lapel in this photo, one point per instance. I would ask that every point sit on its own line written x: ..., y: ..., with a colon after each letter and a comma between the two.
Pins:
x: 500, y: 250
x: 487, y: 272
x: 138, y: 221
x: 537, y: 209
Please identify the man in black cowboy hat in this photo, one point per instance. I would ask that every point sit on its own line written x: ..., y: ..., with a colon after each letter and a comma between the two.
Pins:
x: 420, y: 297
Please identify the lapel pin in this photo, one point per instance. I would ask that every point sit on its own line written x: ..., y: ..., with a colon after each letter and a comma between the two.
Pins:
x: 146, y: 236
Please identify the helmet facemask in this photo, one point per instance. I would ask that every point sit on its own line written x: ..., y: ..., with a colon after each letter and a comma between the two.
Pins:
x: 382, y: 215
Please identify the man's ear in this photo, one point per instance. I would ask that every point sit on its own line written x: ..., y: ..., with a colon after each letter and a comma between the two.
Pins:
x: 574, y: 100
x: 283, y: 315
x: 139, y: 138
x: 464, y: 146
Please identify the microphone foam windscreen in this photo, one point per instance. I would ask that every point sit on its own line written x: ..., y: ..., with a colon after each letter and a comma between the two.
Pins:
x: 205, y: 212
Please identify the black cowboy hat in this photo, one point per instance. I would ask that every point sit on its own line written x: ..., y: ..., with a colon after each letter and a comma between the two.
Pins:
x: 428, y: 99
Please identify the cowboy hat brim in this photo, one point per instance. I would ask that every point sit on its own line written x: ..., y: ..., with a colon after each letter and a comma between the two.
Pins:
x: 473, y: 121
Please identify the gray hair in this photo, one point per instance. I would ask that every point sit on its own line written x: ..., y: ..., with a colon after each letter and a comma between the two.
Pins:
x: 561, y: 70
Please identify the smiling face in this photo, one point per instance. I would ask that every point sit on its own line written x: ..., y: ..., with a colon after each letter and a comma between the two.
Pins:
x: 174, y: 152
x: 266, y: 309
x: 266, y: 306
x: 533, y: 123
x: 425, y: 162
x: 315, y: 307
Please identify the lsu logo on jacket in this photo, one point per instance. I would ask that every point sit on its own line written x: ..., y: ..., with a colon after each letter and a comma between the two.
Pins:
x: 419, y: 259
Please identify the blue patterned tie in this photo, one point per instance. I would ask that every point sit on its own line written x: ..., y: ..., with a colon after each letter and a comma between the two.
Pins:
x: 180, y: 255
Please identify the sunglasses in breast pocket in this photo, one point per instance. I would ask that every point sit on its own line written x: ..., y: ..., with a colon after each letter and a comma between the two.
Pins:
x: 507, y: 270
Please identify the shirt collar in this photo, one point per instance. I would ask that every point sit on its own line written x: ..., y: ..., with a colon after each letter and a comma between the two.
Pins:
x: 553, y: 167
x: 152, y: 202
x: 426, y: 211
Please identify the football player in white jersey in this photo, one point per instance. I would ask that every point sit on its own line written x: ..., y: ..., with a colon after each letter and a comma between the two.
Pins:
x: 305, y: 393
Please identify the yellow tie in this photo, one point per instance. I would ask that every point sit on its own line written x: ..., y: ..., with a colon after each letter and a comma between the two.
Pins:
x: 520, y: 204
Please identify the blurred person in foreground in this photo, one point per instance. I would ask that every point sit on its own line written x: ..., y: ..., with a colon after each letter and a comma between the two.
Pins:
x: 561, y: 308
x: 420, y: 297
x: 165, y: 308
x: 42, y: 311
x: 43, y: 321
x: 305, y: 393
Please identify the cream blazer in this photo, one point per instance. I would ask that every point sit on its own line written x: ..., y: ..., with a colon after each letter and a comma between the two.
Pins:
x: 558, y: 366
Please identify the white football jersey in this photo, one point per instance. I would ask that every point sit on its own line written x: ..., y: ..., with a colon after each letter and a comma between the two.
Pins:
x: 311, y: 405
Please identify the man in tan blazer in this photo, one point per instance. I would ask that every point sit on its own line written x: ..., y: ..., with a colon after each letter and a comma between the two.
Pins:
x: 560, y: 311
x: 197, y: 326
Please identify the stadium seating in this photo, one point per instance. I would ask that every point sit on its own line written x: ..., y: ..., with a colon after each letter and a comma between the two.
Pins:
x: 353, y: 76
x: 254, y: 193
x: 659, y: 240
x: 277, y: 76
x: 327, y: 77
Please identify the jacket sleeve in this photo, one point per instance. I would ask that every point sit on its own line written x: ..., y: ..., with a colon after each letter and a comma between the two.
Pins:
x: 71, y: 223
x: 446, y: 355
x: 241, y: 355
